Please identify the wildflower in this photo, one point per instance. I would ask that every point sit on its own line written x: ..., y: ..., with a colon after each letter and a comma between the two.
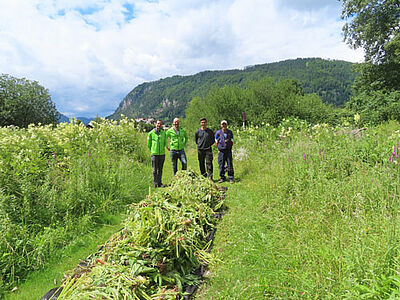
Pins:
x: 55, y: 154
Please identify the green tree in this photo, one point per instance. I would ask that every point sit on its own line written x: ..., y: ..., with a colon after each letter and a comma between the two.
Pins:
x: 264, y: 101
x: 23, y: 102
x: 374, y: 26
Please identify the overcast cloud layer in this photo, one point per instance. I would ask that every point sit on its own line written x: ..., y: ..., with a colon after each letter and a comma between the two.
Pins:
x: 91, y: 53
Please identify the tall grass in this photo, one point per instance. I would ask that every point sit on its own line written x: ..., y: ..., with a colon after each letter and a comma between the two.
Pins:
x: 315, y: 215
x: 57, y: 183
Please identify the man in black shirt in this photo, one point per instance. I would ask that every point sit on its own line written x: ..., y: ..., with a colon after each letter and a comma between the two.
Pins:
x: 204, y: 138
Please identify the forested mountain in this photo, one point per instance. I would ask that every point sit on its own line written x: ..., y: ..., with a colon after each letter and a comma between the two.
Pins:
x: 168, y: 98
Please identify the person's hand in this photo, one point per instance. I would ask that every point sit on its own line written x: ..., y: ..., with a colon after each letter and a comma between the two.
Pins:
x: 168, y: 149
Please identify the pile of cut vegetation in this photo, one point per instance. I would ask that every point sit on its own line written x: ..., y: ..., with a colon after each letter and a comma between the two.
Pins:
x: 163, y: 241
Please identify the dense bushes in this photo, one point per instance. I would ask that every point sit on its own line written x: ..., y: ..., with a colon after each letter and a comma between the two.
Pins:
x: 23, y: 102
x: 56, y: 183
x: 264, y: 101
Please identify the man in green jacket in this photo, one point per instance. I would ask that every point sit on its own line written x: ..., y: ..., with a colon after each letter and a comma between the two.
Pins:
x: 157, y: 142
x: 177, y: 140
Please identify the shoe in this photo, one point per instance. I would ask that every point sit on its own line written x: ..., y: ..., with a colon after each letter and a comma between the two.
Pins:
x: 221, y: 180
x: 161, y: 185
x: 231, y: 181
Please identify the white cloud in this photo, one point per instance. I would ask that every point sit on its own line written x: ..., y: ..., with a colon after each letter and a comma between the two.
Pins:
x: 91, y: 53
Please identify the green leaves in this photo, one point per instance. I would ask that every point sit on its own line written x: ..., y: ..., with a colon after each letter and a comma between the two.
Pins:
x: 158, y: 249
x: 265, y: 100
x: 23, y: 102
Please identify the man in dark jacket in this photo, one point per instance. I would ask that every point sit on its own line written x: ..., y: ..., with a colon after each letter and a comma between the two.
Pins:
x: 204, y: 138
x: 224, y: 141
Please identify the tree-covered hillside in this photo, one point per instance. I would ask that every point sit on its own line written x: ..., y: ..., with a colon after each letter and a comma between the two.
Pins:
x: 168, y: 98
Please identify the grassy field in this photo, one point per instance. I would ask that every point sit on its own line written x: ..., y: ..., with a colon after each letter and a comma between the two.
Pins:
x: 314, y: 214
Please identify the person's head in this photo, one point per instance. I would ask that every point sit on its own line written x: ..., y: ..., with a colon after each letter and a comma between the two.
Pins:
x: 176, y: 122
x: 224, y: 124
x: 203, y: 123
x: 158, y: 125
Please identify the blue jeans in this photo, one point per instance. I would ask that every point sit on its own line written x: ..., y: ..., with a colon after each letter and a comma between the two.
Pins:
x: 225, y: 157
x: 181, y: 155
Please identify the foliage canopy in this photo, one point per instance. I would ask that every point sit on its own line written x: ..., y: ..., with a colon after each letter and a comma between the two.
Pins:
x: 263, y: 101
x: 23, y: 102
x: 374, y: 25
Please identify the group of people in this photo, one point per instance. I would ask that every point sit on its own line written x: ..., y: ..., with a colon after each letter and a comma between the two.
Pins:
x: 175, y: 140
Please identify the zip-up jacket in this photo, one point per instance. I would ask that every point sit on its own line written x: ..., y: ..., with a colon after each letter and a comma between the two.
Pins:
x: 177, y: 141
x: 224, y: 139
x: 157, y: 141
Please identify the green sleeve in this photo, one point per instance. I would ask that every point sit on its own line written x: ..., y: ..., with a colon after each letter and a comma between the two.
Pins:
x: 149, y: 140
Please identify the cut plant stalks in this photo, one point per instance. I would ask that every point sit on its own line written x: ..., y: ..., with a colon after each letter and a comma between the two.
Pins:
x: 162, y: 243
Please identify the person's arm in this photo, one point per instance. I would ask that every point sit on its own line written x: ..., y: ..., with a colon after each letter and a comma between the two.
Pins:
x: 149, y: 140
x: 167, y: 140
x: 196, y: 136
x: 232, y: 137
x: 216, y: 138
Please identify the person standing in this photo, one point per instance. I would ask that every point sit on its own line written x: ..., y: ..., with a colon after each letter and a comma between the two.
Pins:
x: 204, y: 138
x: 177, y: 139
x: 224, y: 142
x: 157, y: 142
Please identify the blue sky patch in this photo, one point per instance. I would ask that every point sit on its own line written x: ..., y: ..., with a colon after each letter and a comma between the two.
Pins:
x: 89, y: 10
x: 129, y: 12
x: 61, y: 12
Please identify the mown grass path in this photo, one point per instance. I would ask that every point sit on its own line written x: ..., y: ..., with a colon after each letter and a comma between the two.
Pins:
x: 242, y: 241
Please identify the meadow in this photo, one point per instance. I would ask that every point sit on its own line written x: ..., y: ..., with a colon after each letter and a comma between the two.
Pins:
x: 314, y: 212
x: 314, y: 216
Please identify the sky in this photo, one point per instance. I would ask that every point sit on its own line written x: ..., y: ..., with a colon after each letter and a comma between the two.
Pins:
x: 90, y: 54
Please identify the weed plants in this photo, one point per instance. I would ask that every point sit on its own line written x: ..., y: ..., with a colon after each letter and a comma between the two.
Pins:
x: 57, y: 183
x: 315, y: 215
x: 162, y: 242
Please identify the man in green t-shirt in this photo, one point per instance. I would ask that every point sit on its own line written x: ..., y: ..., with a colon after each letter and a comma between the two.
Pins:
x: 157, y: 142
x: 177, y: 141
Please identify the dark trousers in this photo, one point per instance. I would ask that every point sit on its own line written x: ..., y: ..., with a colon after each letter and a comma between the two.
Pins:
x: 225, y: 157
x: 181, y: 155
x: 205, y: 159
x: 157, y: 161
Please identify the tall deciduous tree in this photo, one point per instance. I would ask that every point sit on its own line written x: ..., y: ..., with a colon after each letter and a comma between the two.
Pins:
x: 23, y: 102
x: 373, y: 25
